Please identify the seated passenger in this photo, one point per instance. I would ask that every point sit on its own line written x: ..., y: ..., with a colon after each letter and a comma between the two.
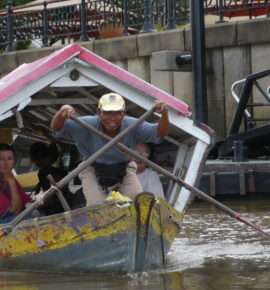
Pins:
x: 12, y: 197
x: 149, y: 179
x: 44, y: 155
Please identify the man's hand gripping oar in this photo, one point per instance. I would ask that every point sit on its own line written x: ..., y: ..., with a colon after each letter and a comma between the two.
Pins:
x: 176, y: 179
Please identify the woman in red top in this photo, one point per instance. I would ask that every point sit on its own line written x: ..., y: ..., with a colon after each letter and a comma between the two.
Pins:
x: 12, y: 196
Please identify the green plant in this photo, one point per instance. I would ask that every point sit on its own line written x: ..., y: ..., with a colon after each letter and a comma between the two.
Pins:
x: 24, y: 44
x: 183, y: 26
x: 159, y: 27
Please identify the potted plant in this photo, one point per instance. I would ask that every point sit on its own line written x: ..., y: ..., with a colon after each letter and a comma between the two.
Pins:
x: 110, y: 30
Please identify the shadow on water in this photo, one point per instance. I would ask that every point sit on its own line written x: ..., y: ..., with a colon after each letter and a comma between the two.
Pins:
x: 213, y: 252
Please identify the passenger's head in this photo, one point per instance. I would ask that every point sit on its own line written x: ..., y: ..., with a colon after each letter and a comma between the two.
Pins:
x: 111, y: 110
x: 42, y: 154
x: 145, y: 151
x: 7, y: 158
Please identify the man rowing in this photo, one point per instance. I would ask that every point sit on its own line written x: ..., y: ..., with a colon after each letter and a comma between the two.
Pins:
x: 113, y: 168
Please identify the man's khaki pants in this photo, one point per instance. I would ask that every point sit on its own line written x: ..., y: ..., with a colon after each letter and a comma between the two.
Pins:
x: 93, y: 192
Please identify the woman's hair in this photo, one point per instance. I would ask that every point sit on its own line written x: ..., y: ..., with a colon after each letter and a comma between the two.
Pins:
x: 41, y: 151
x: 7, y: 147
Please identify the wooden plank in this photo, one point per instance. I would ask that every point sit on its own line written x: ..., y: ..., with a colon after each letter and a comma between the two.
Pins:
x: 212, y: 177
x: 251, y: 181
x: 191, y: 174
x: 61, y: 101
x: 242, y: 182
x: 228, y: 166
x: 179, y: 170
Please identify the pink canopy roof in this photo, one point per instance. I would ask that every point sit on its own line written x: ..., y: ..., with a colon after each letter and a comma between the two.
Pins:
x: 26, y: 74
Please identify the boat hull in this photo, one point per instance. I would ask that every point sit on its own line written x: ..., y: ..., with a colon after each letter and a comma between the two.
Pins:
x: 113, y: 236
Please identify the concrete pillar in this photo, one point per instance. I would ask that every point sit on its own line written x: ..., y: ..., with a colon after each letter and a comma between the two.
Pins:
x: 215, y: 90
x: 260, y: 56
x: 139, y: 66
x: 182, y: 86
x: 161, y: 79
x: 121, y: 63
x: 237, y: 65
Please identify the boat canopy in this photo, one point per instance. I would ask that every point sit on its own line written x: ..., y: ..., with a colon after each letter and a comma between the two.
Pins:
x: 74, y: 75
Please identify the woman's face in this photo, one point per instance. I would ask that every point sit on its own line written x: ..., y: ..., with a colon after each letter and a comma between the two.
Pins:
x: 7, y: 161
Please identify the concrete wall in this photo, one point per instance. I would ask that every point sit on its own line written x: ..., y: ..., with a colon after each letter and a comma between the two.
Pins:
x: 233, y: 51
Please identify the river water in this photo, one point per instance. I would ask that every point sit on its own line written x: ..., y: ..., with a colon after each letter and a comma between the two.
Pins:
x: 213, y: 252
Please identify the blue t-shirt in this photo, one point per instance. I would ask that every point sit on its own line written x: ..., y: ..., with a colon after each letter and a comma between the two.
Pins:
x: 88, y: 143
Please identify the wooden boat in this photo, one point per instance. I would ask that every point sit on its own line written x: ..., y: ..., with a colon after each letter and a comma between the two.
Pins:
x: 115, y: 235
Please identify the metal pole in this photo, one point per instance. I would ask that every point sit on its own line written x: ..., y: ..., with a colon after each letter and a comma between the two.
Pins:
x: 220, y: 8
x: 171, y: 14
x: 84, y: 36
x: 148, y: 23
x: 198, y: 61
x: 10, y: 26
x: 45, y: 25
x: 126, y: 20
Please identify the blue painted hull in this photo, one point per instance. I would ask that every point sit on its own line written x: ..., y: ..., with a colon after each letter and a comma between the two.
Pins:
x: 106, y: 238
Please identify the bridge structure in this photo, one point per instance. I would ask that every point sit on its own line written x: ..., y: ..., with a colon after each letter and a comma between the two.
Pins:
x: 53, y: 20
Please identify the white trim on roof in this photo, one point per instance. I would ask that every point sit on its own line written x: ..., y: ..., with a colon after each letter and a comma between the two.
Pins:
x: 23, y: 96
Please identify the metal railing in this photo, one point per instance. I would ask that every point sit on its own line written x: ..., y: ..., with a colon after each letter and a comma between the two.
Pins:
x: 234, y: 8
x: 243, y: 93
x: 83, y: 19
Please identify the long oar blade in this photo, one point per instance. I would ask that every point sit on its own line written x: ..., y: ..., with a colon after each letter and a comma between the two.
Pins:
x: 252, y: 225
x: 226, y: 209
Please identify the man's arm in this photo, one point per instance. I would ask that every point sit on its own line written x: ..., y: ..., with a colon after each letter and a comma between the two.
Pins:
x: 163, y: 124
x: 59, y: 118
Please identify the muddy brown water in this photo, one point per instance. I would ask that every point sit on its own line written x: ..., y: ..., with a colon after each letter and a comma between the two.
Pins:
x: 213, y: 252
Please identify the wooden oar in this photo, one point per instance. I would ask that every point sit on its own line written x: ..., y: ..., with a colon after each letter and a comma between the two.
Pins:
x: 76, y: 171
x: 176, y: 179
